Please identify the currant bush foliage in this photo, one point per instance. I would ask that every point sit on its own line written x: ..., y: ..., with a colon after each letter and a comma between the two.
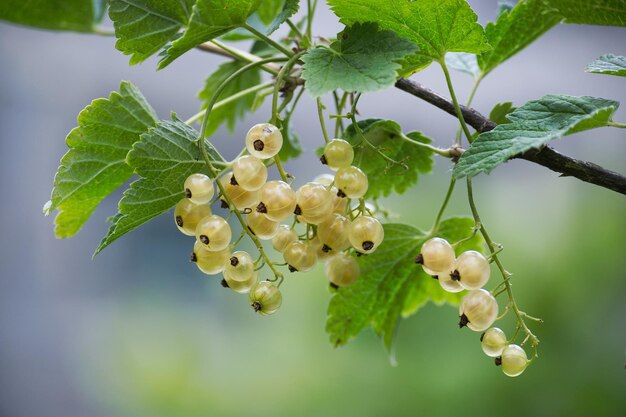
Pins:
x: 608, y: 64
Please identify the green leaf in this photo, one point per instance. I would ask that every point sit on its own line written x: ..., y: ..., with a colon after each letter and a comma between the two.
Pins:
x: 592, y: 12
x: 164, y: 157
x: 387, y: 137
x: 500, y: 111
x: 435, y: 26
x: 505, y: 6
x: 73, y: 15
x: 463, y: 62
x: 608, y: 64
x: 515, y: 30
x: 210, y: 19
x: 268, y: 10
x: 143, y: 27
x: 391, y: 282
x: 96, y: 165
x: 289, y: 9
x: 364, y: 59
x: 533, y: 125
x: 234, y: 110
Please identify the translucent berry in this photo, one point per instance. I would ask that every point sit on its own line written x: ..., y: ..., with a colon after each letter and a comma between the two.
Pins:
x: 514, y: 360
x: 314, y: 203
x: 284, y: 236
x: 325, y: 179
x: 436, y: 256
x: 250, y: 173
x: 277, y: 200
x: 448, y: 284
x: 211, y: 263
x: 478, y: 310
x: 300, y: 256
x: 472, y: 270
x: 337, y: 154
x: 214, y: 233
x: 366, y: 234
x: 264, y: 141
x: 187, y: 215
x: 261, y: 226
x: 342, y: 270
x: 340, y: 204
x: 241, y: 198
x: 493, y: 342
x: 239, y: 272
x: 265, y: 298
x: 322, y: 252
x: 333, y: 233
x: 351, y: 182
x: 199, y: 188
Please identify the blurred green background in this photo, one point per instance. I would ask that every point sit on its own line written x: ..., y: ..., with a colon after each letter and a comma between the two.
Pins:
x: 139, y: 331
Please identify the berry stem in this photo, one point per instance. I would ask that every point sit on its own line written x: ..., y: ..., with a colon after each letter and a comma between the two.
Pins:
x: 281, y: 170
x: 268, y: 40
x: 340, y: 103
x: 446, y: 200
x: 447, y: 153
x: 521, y: 324
x: 320, y: 114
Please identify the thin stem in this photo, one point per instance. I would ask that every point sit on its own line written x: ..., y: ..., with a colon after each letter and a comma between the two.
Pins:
x: 534, y: 341
x: 230, y: 99
x: 310, y: 7
x: 279, y: 166
x: 103, y: 30
x: 447, y: 153
x: 279, y: 79
x: 618, y: 125
x: 267, y: 39
x: 457, y: 108
x: 295, y: 28
x: 477, y: 81
x: 218, y: 47
x: 320, y: 113
x: 443, y: 206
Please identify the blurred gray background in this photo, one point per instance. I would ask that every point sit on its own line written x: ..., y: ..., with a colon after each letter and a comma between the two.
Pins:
x: 138, y: 331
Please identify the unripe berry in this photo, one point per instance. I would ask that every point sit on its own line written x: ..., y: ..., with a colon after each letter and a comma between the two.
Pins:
x: 187, y: 215
x: 265, y: 298
x: 314, y: 203
x: 240, y: 198
x: 211, y: 263
x: 366, y: 234
x: 250, y: 173
x: 333, y: 233
x: 300, y: 256
x: 337, y: 154
x: 214, y: 233
x: 436, y: 256
x: 514, y: 360
x: 351, y: 182
x: 277, y: 200
x: 478, y: 310
x: 472, y: 270
x: 342, y: 270
x: 493, y: 342
x: 284, y: 236
x: 264, y: 141
x: 199, y: 188
x: 261, y: 226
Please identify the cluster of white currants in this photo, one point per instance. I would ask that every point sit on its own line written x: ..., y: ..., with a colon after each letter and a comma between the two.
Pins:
x: 478, y: 309
x: 334, y: 233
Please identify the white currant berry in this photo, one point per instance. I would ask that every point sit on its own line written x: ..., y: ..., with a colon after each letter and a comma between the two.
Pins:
x: 264, y: 141
x: 471, y: 269
x: 514, y: 360
x: 300, y: 256
x: 325, y: 179
x: 249, y: 173
x: 337, y: 154
x: 214, y: 233
x: 276, y: 200
x: 240, y: 198
x: 284, y: 236
x: 265, y: 298
x: 314, y: 203
x: 447, y: 283
x: 366, y: 234
x: 187, y: 215
x: 493, y: 342
x: 261, y: 226
x: 340, y: 204
x: 333, y: 233
x: 209, y: 262
x: 351, y: 182
x: 478, y: 310
x: 436, y: 256
x: 342, y: 270
x: 239, y: 266
x: 199, y: 188
x: 323, y: 253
